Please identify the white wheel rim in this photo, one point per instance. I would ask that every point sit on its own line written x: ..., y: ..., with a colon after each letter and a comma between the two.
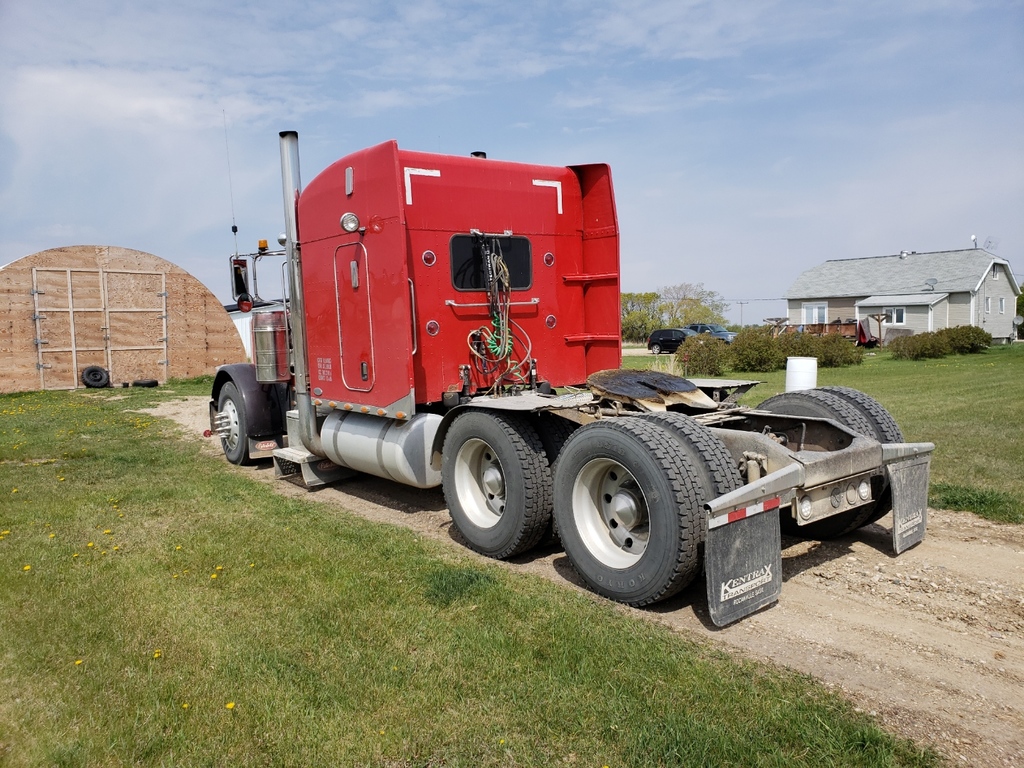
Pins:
x: 611, y: 513
x: 480, y: 483
x: 231, y: 412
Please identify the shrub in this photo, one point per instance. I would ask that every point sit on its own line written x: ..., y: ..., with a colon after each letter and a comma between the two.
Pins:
x: 837, y: 352
x: 966, y: 339
x: 756, y: 350
x: 920, y: 346
x: 798, y: 345
x: 702, y: 355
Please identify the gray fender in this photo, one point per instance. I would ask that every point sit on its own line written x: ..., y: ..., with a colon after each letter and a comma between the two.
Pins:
x: 265, y: 404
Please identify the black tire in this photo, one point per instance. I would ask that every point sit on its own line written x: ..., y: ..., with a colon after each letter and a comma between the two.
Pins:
x: 884, y: 426
x: 554, y: 431
x: 236, y: 443
x: 886, y: 430
x: 817, y: 403
x: 656, y: 349
x: 629, y: 504
x: 719, y: 472
x: 145, y: 383
x: 95, y: 377
x: 497, y: 482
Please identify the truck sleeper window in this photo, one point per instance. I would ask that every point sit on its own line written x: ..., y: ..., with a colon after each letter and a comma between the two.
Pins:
x: 469, y: 255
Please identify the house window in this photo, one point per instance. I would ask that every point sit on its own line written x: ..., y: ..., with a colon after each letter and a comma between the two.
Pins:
x: 1002, y: 306
x: 995, y: 272
x: 988, y: 305
x: 815, y: 313
x: 895, y: 315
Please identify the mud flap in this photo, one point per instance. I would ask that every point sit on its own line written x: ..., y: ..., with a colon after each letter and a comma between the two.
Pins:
x: 743, y: 561
x: 909, y: 482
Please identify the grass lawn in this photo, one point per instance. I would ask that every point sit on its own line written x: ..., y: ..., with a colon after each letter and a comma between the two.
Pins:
x: 970, y: 406
x: 162, y: 608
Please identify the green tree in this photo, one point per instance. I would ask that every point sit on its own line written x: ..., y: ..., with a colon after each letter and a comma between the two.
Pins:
x: 691, y: 303
x: 640, y: 315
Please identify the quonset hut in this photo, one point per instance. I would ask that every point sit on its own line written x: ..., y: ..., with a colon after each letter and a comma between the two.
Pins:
x: 133, y: 314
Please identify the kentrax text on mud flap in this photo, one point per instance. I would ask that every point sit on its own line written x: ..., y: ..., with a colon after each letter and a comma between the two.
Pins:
x: 743, y: 561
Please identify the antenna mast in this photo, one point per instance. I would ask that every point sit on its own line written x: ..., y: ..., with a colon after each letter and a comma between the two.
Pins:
x: 231, y: 190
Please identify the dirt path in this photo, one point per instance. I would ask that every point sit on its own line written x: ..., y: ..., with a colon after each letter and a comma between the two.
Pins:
x: 932, y: 642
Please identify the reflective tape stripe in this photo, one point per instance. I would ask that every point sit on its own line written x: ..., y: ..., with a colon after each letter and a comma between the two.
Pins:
x: 742, y: 514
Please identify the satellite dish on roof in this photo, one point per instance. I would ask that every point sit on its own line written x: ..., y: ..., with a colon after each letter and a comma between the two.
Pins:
x: 930, y: 283
x: 991, y: 243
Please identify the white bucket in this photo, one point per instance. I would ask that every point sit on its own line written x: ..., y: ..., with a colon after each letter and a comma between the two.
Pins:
x: 801, y: 373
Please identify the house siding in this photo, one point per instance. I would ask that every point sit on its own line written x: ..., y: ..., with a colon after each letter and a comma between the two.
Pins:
x: 840, y: 308
x: 959, y: 310
x: 999, y: 325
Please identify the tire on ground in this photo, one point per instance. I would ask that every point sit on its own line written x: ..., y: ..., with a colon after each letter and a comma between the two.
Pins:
x: 145, y: 383
x: 497, y: 482
x: 629, y: 502
x: 95, y: 377
x: 236, y: 443
x: 822, y: 404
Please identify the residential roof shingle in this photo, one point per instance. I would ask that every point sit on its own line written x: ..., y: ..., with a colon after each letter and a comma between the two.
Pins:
x: 906, y: 273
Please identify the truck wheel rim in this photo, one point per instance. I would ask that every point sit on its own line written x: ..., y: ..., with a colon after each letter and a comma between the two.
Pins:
x: 231, y: 412
x: 611, y: 513
x: 480, y: 483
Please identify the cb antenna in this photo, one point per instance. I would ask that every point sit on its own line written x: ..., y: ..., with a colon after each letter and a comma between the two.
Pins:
x: 231, y: 190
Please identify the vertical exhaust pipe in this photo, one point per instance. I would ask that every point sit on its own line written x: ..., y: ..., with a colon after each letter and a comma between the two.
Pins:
x: 291, y: 186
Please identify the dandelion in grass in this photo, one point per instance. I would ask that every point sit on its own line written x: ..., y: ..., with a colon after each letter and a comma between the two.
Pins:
x: 252, y: 565
x: 177, y: 548
x: 78, y: 662
x: 213, y: 575
x: 219, y: 568
x: 90, y: 545
x: 27, y: 568
x: 14, y: 490
x: 116, y: 549
x: 75, y: 555
x: 5, y: 533
x: 157, y: 653
x: 229, y: 705
x: 107, y: 532
x: 52, y: 535
x: 184, y: 705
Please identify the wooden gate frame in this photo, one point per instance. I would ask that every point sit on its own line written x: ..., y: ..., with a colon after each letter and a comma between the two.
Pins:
x: 107, y: 348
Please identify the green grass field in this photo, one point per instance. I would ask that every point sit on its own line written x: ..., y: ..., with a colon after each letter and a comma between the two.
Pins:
x: 970, y: 406
x: 162, y: 608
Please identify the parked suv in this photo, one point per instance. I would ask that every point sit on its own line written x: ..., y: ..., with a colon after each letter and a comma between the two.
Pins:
x: 716, y: 330
x: 667, y: 340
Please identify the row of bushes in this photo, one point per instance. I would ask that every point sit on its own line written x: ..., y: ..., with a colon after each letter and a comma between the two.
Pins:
x: 757, y: 350
x: 961, y: 340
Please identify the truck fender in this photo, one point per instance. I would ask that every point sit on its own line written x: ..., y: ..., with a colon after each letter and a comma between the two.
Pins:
x: 265, y: 404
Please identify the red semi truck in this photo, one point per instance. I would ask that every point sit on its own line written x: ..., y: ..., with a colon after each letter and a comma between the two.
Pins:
x: 454, y: 321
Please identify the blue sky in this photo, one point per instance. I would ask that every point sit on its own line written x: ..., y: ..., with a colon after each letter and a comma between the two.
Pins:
x: 748, y: 140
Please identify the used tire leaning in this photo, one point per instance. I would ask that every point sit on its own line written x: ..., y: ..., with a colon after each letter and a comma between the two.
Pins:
x: 497, y: 482
x: 95, y: 377
x: 629, y: 508
x: 821, y: 404
x: 236, y: 442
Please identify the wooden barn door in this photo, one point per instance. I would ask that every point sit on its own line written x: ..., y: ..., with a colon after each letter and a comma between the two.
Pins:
x: 115, y: 319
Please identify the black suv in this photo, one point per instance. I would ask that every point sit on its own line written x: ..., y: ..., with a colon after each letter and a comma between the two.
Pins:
x: 716, y: 330
x: 667, y: 339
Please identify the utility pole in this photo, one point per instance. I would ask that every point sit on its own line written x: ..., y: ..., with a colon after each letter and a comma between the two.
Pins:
x: 741, y: 303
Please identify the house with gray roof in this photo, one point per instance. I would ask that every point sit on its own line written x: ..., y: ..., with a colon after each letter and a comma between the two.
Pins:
x: 916, y: 292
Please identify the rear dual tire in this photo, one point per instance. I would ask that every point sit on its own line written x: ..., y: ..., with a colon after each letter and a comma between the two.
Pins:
x: 629, y: 499
x: 497, y: 482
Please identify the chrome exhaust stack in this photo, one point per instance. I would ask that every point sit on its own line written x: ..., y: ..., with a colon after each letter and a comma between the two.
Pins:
x: 292, y: 185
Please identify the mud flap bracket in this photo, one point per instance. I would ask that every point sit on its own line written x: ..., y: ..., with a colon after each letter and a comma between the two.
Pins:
x: 909, y: 482
x: 743, y: 561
